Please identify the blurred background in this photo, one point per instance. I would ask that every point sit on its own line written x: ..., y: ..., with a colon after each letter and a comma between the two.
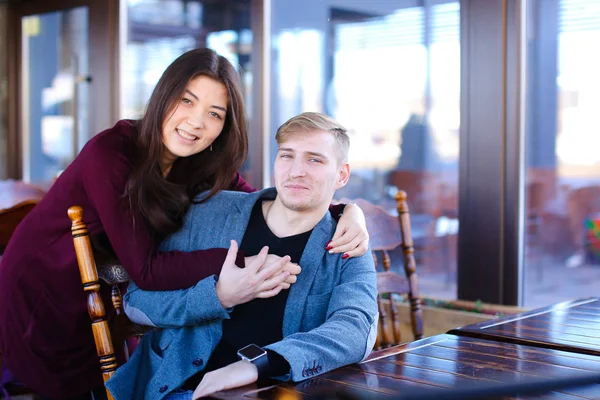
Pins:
x: 486, y: 116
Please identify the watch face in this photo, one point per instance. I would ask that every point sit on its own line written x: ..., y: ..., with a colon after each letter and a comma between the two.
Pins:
x: 251, y: 352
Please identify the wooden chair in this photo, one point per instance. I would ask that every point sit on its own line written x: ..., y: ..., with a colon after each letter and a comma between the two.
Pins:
x: 110, y: 271
x: 387, y: 233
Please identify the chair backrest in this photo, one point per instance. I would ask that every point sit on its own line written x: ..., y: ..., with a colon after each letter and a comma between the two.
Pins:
x: 421, y: 185
x: 386, y: 233
x: 91, y: 286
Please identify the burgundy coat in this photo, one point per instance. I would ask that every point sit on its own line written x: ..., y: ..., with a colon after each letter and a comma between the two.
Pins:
x: 45, y: 331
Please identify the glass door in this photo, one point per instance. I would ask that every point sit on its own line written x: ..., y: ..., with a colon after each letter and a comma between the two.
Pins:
x: 65, y: 66
x: 54, y: 79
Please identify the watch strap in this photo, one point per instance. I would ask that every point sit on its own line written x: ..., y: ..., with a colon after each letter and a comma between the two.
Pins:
x: 262, y: 365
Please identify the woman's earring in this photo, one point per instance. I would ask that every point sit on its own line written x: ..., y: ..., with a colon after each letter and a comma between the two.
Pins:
x: 211, y: 147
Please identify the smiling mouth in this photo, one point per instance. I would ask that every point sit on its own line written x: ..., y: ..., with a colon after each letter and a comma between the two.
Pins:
x: 186, y: 135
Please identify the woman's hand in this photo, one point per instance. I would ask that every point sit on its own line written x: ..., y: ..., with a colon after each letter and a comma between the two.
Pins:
x: 232, y: 376
x: 240, y: 285
x: 351, y: 236
x: 293, y: 268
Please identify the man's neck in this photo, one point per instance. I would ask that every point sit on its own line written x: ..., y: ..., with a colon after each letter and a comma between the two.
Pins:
x: 284, y: 222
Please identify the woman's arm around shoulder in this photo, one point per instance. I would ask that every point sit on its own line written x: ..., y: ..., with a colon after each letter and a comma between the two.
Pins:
x: 240, y: 185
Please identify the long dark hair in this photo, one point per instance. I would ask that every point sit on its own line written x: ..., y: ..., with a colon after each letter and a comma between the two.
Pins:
x: 164, y: 202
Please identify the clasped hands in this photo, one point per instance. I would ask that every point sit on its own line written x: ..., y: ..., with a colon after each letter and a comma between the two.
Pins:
x: 265, y: 275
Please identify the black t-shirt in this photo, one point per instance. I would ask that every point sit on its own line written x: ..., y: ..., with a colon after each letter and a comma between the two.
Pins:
x: 259, y: 321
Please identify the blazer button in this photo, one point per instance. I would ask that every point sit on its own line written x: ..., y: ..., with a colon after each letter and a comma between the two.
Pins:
x: 197, y: 362
x: 163, y: 389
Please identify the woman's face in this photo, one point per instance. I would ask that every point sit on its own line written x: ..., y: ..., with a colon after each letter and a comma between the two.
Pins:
x: 195, y: 121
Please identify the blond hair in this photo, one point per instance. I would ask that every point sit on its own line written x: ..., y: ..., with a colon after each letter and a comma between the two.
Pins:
x: 314, y: 121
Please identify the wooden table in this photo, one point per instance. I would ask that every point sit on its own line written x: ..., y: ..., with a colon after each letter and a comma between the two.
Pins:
x: 572, y: 326
x: 444, y: 362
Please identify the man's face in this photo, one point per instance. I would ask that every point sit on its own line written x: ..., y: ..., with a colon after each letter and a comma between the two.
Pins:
x: 307, y: 170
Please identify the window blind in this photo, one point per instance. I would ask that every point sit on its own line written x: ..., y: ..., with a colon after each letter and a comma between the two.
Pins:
x: 446, y: 23
x: 403, y: 27
x: 579, y: 15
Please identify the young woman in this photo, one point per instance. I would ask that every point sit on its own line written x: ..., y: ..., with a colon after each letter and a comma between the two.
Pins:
x: 135, y: 182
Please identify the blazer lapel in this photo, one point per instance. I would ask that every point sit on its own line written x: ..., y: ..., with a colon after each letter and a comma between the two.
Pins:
x: 310, y: 262
x: 237, y: 220
x: 234, y: 227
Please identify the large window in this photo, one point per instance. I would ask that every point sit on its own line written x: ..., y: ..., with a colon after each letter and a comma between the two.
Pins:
x: 389, y: 71
x: 562, y: 257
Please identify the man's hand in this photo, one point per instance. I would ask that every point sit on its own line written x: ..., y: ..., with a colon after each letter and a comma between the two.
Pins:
x: 351, y: 236
x: 293, y: 268
x: 232, y: 376
x: 240, y: 285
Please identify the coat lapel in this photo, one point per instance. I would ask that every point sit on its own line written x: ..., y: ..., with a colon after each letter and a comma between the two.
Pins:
x: 237, y: 220
x: 234, y: 228
x: 311, y: 261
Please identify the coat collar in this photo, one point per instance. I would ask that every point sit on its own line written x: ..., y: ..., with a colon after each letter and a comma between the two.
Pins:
x: 237, y: 220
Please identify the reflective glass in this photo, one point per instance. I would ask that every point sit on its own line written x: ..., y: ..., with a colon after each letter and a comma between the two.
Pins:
x: 54, y: 69
x: 562, y: 218
x: 389, y: 71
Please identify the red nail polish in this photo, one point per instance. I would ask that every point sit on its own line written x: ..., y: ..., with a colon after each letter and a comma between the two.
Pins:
x: 327, y: 246
x: 345, y: 256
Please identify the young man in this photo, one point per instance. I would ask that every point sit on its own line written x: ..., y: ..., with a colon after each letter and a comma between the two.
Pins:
x: 327, y: 319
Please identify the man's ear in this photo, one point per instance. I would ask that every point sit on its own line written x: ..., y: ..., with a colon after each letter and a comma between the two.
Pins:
x: 343, y: 176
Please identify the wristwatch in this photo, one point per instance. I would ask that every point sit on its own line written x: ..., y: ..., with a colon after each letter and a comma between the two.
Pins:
x: 257, y: 356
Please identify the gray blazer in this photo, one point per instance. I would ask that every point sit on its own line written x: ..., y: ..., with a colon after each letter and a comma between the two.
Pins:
x: 330, y: 317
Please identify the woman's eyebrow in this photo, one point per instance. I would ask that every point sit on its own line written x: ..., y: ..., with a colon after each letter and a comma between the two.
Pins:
x: 188, y: 91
